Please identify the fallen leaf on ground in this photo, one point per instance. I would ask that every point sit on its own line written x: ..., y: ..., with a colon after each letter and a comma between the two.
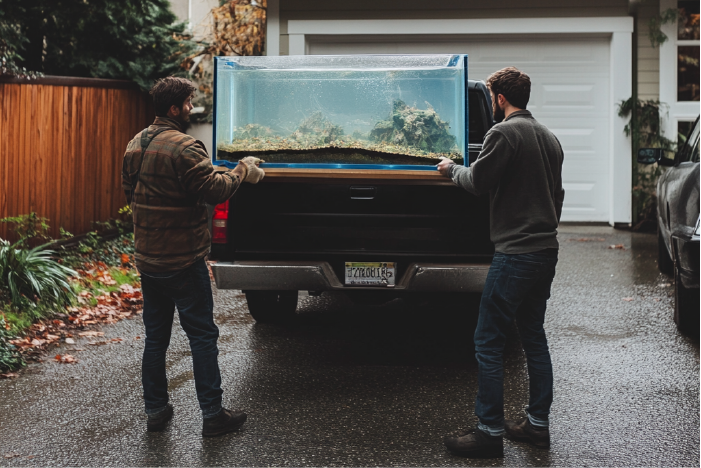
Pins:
x: 65, y: 359
x: 12, y: 455
x: 627, y: 299
x: 91, y: 333
x: 617, y: 247
x: 9, y: 375
x: 70, y: 341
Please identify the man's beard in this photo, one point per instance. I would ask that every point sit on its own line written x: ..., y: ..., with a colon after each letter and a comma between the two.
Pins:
x: 184, y: 124
x: 497, y: 112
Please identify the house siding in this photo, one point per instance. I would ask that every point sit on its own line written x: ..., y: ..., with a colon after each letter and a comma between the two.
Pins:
x: 648, y: 56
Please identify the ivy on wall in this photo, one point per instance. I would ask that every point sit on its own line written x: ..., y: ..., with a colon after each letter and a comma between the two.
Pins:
x: 657, y: 37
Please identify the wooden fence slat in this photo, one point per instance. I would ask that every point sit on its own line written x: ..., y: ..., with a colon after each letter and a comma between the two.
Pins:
x: 61, y: 149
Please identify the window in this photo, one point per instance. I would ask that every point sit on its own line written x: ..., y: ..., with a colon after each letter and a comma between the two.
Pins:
x: 679, y: 67
x: 688, y: 54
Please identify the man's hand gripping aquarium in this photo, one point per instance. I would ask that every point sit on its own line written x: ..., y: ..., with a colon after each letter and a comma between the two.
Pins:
x: 249, y: 164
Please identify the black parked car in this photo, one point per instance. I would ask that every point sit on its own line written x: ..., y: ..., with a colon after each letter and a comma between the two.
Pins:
x: 678, y: 226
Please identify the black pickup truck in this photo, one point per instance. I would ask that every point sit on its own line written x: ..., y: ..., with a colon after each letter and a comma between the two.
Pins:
x: 301, y: 230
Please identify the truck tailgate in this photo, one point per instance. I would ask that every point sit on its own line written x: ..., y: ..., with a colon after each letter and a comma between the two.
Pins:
x: 336, y: 218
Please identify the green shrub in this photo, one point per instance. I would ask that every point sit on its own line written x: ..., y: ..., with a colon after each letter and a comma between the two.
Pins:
x: 29, y: 228
x: 32, y: 273
x: 10, y: 359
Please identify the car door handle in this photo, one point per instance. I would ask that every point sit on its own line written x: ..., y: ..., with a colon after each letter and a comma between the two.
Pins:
x: 362, y: 193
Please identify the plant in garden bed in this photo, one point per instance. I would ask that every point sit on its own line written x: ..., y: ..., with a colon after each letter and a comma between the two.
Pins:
x: 45, y: 295
x: 33, y: 274
x: 10, y: 358
x: 103, y: 294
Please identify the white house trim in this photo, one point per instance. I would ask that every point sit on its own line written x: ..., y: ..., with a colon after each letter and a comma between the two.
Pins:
x: 272, y: 33
x: 463, y: 26
x: 620, y: 30
x: 677, y: 111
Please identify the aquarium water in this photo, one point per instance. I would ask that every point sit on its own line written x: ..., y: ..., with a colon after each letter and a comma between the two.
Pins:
x: 385, y: 111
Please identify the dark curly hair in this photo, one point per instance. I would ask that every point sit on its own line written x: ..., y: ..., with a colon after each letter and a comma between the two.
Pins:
x: 170, y: 91
x: 513, y: 84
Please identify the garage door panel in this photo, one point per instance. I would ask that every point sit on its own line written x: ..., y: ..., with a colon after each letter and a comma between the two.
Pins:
x: 578, y: 95
x: 581, y: 140
x: 570, y: 95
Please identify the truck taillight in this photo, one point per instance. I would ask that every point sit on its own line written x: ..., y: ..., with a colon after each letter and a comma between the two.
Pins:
x: 219, y: 223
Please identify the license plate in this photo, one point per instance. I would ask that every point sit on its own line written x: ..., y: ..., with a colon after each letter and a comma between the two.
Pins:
x: 370, y: 273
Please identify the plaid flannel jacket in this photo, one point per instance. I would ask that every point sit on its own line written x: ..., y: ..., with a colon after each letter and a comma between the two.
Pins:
x: 169, y: 211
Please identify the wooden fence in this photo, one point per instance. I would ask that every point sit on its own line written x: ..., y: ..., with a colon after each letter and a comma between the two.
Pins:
x: 61, y: 146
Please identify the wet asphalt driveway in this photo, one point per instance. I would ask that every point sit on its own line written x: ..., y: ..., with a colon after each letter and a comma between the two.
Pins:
x: 353, y: 385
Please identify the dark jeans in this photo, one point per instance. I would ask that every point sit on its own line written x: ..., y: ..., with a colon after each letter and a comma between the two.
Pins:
x: 191, y: 292
x: 517, y: 288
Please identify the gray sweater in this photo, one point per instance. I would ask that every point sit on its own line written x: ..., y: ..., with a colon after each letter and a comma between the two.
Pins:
x: 520, y: 166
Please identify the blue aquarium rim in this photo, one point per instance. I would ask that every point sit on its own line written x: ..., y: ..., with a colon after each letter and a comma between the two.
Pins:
x: 395, y: 167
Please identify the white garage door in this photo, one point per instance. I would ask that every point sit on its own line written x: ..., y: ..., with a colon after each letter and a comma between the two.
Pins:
x: 570, y: 94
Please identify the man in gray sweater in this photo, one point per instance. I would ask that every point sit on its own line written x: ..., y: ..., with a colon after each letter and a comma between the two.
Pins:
x: 520, y: 167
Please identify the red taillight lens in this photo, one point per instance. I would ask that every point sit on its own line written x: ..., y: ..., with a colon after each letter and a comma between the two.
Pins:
x: 219, y: 223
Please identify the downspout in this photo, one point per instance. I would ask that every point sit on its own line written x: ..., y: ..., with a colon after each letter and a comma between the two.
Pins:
x: 633, y: 6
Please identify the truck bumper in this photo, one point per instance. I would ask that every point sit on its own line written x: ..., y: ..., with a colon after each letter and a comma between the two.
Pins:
x: 318, y: 276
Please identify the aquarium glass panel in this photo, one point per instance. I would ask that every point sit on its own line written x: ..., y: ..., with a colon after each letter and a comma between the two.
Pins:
x: 384, y: 110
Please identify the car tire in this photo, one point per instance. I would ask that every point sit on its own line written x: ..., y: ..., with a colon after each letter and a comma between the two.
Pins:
x: 664, y: 261
x: 272, y: 307
x: 686, y: 307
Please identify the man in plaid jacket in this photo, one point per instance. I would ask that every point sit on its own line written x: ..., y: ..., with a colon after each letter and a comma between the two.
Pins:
x: 168, y: 179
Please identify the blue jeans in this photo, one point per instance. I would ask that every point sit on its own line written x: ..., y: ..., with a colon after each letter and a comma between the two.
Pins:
x: 190, y: 291
x: 517, y: 288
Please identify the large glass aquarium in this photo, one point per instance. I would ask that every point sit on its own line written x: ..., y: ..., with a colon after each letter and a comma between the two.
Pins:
x: 356, y: 111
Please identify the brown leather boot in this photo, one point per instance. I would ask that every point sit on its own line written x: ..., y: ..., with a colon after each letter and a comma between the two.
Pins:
x: 223, y: 423
x: 475, y: 444
x: 523, y: 430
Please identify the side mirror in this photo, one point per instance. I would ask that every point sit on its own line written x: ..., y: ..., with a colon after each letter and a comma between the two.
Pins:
x: 654, y: 155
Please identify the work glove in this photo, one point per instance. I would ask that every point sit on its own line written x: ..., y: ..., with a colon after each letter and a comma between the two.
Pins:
x: 254, y: 174
x: 444, y: 167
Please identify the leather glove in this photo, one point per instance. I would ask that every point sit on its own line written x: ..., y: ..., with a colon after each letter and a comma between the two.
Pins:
x: 254, y: 174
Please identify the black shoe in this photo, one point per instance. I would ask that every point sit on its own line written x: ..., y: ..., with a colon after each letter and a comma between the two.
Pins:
x: 157, y: 422
x: 522, y: 429
x: 223, y: 423
x: 475, y: 444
